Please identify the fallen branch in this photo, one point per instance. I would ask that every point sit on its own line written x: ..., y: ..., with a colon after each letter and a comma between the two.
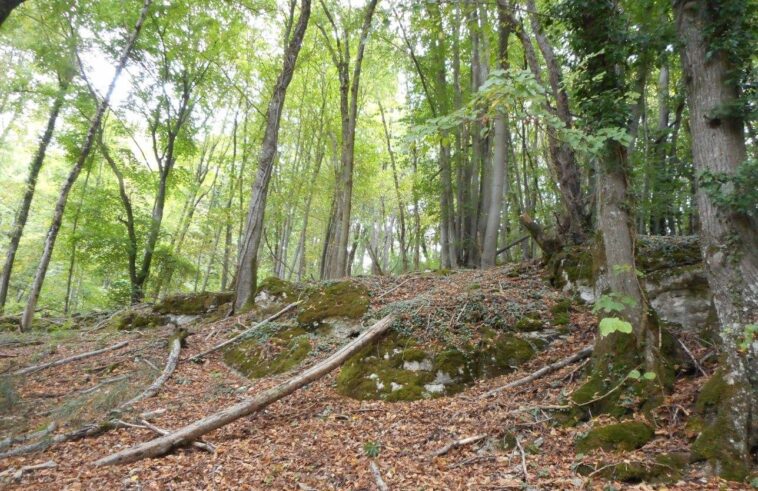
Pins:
x: 378, y: 477
x: 13, y: 440
x: 173, y: 359
x: 83, y: 432
x: 246, y: 332
x: 17, y: 475
x: 458, y: 443
x: 195, y: 430
x: 512, y: 244
x: 197, y: 444
x: 63, y: 361
x: 580, y: 355
x: 394, y: 288
x: 107, y: 381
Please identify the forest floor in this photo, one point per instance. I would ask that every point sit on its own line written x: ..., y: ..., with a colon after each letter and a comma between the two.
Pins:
x: 316, y: 438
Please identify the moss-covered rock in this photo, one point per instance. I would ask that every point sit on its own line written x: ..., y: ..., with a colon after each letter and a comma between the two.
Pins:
x: 281, y: 352
x: 666, y: 469
x: 193, y: 304
x: 398, y: 369
x: 628, y: 435
x: 137, y: 319
x: 529, y: 324
x: 342, y: 299
x: 501, y: 354
x: 279, y: 288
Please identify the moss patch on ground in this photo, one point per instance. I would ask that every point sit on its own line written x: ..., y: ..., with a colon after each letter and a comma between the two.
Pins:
x: 193, y: 304
x: 628, y: 435
x: 666, y: 469
x: 341, y: 299
x: 281, y: 352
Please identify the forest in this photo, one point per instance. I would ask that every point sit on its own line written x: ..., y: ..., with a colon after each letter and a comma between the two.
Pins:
x: 473, y: 244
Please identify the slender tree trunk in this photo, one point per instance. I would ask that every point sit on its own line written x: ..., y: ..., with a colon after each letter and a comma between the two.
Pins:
x: 247, y: 270
x: 729, y: 238
x: 60, y: 205
x: 74, y: 243
x: 31, y: 182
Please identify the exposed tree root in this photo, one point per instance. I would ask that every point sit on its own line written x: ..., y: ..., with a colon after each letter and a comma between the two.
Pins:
x: 70, y: 359
x: 192, y: 432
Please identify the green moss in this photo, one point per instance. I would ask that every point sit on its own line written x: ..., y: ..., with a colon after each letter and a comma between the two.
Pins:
x: 137, y: 319
x: 561, y: 306
x: 528, y: 324
x: 282, y: 352
x: 561, y: 319
x: 193, y: 304
x: 278, y: 287
x: 502, y: 354
x: 342, y: 299
x: 629, y: 435
x: 714, y: 443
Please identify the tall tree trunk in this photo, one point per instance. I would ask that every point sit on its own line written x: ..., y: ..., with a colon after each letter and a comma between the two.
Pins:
x: 729, y: 238
x: 60, y: 206
x: 349, y: 86
x: 31, y: 182
x: 74, y: 243
x: 247, y: 270
x: 398, y: 194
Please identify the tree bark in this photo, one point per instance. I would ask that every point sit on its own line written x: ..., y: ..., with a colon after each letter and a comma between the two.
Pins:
x: 60, y: 206
x: 31, y: 183
x: 728, y: 238
x: 247, y: 269
x: 193, y: 431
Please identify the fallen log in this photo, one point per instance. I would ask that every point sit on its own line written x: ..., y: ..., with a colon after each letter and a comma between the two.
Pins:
x: 579, y: 355
x: 192, y: 432
x: 380, y: 484
x: 245, y: 332
x: 70, y: 359
x: 173, y: 359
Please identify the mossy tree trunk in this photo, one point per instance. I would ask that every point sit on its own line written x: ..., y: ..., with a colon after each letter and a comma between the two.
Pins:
x: 598, y: 37
x: 729, y: 238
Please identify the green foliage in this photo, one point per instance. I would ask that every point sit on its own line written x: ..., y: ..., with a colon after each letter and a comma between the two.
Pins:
x: 372, y: 449
x: 609, y: 325
x: 613, y: 302
x: 737, y: 193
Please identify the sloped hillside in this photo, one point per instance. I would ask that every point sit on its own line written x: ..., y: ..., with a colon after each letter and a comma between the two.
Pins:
x: 424, y: 408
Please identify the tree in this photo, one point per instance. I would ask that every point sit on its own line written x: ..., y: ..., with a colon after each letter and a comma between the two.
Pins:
x: 338, y: 232
x: 247, y: 269
x: 60, y: 205
x: 716, y: 39
x: 6, y: 7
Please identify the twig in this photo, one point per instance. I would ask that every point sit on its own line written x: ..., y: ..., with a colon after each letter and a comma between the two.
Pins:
x: 394, y: 288
x: 19, y: 474
x: 458, y: 443
x: 245, y: 333
x: 81, y: 356
x: 580, y: 355
x: 378, y: 477
x: 692, y: 357
x: 108, y: 381
x: 523, y: 459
